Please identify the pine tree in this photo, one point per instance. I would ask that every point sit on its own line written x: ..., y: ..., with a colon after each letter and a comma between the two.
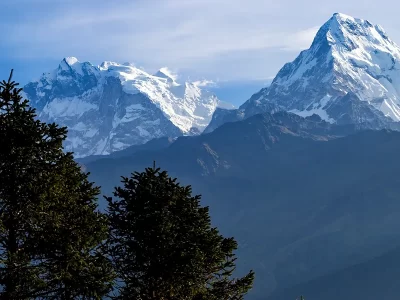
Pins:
x: 50, y: 230
x: 71, y: 235
x: 163, y: 246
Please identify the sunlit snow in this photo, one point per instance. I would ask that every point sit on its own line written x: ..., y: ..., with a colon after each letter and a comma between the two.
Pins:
x: 186, y: 104
x: 348, y: 55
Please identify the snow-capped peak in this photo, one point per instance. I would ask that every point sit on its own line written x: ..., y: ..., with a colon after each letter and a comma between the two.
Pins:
x: 342, y: 16
x: 106, y: 65
x: 349, y: 75
x: 352, y: 33
x: 347, y: 55
x: 71, y: 60
x: 72, y: 64
x: 95, y: 102
x: 186, y: 105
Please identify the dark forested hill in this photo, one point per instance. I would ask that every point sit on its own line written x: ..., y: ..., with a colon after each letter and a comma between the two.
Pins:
x: 378, y: 278
x: 304, y: 198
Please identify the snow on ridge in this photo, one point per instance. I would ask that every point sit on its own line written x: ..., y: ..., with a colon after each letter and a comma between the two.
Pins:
x: 317, y: 108
x: 106, y: 115
x: 72, y: 63
x: 371, y: 60
x: 67, y: 107
x: 164, y: 72
x: 71, y: 60
x: 186, y: 105
x: 340, y: 15
x: 348, y: 55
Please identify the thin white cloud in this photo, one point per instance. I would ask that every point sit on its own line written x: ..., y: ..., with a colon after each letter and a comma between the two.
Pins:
x: 217, y: 38
x: 177, y: 31
x: 206, y: 83
x: 300, y: 40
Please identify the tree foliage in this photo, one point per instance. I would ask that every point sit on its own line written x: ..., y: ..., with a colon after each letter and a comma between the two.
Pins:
x: 163, y: 245
x: 50, y: 229
x: 55, y: 244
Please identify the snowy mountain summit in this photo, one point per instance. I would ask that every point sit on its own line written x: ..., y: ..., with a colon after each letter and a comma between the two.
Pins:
x: 113, y: 106
x: 349, y: 75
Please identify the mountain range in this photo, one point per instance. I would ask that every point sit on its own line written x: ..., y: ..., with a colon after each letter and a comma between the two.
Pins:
x: 305, y: 198
x: 112, y: 106
x: 304, y: 174
x: 349, y: 75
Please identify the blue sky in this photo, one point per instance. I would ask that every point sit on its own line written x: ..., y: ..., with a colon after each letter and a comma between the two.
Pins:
x: 232, y: 41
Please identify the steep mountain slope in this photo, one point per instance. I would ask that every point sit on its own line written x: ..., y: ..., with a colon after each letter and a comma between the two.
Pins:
x: 113, y: 106
x: 303, y: 197
x: 349, y: 75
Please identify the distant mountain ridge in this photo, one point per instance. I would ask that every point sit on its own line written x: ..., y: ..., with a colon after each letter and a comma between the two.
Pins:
x: 113, y: 106
x: 304, y: 197
x: 376, y: 278
x: 312, y: 199
x: 349, y: 75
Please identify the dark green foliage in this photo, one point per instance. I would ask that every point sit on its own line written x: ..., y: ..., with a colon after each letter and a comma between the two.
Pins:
x: 50, y: 230
x: 163, y: 245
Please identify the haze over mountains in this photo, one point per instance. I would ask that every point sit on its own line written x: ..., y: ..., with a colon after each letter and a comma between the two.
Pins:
x: 304, y: 174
